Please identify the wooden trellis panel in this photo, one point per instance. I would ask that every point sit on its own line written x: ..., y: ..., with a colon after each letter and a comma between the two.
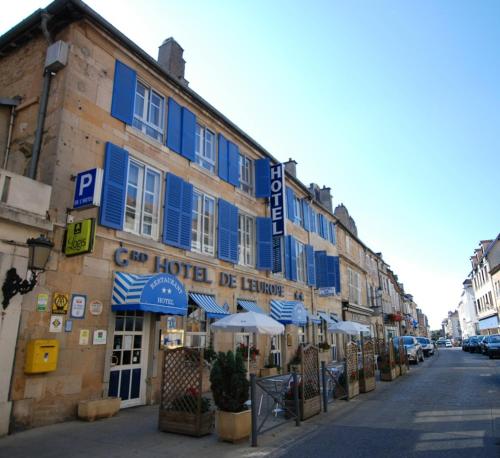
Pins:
x: 310, y: 401
x: 182, y: 408
x: 368, y: 358
x: 352, y: 360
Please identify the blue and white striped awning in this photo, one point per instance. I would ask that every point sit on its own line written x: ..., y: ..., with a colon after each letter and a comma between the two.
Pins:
x: 158, y: 293
x: 250, y: 306
x: 207, y: 303
x: 324, y: 316
x: 313, y: 318
x: 289, y: 312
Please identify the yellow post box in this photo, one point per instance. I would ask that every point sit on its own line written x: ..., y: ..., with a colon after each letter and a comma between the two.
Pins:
x: 41, y: 356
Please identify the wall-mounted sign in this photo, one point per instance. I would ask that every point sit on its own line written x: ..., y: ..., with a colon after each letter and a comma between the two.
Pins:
x: 56, y: 323
x: 88, y: 188
x: 328, y: 291
x: 78, y: 302
x: 60, y: 303
x: 95, y: 307
x: 84, y: 337
x: 42, y: 301
x: 68, y: 326
x: 99, y: 337
x: 277, y: 200
x: 79, y: 237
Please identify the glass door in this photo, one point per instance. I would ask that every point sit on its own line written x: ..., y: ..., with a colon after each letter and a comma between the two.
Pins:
x: 127, y: 378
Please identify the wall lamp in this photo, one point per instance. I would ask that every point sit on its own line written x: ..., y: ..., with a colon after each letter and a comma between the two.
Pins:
x: 39, y: 252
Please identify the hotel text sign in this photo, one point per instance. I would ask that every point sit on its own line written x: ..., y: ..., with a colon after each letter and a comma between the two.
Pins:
x: 277, y: 201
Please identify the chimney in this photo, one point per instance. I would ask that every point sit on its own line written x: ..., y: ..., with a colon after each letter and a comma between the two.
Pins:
x: 325, y: 197
x: 291, y: 167
x: 171, y: 60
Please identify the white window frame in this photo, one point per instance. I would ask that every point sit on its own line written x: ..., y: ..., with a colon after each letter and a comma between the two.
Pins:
x: 302, y: 334
x: 139, y: 210
x: 247, y: 178
x: 143, y: 120
x: 204, y: 241
x: 299, y: 217
x: 300, y: 250
x: 354, y: 286
x: 191, y: 337
x: 205, y: 148
x: 246, y: 240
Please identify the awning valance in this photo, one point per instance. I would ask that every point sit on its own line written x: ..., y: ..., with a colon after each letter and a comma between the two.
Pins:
x: 158, y: 293
x: 289, y: 312
x: 207, y: 303
x: 250, y: 306
x: 325, y: 317
x: 313, y: 318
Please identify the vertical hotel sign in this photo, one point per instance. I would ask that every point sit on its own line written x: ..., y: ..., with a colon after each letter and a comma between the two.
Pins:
x: 277, y: 200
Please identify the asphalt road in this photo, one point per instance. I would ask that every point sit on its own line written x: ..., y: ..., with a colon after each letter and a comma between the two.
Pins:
x: 448, y: 406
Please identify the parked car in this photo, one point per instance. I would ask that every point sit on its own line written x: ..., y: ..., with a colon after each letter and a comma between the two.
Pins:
x: 448, y: 343
x: 465, y: 344
x: 483, y: 344
x: 493, y: 346
x: 413, y: 349
x: 441, y: 343
x: 473, y: 344
x: 427, y: 346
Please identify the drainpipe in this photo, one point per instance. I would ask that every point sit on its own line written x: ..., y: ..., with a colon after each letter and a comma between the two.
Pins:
x: 37, y: 144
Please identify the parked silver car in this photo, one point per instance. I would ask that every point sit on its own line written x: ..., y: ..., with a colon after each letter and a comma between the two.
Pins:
x: 413, y: 349
x: 427, y: 346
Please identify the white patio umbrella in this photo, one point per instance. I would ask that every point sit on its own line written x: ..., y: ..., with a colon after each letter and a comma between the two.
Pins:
x: 348, y: 327
x: 249, y: 322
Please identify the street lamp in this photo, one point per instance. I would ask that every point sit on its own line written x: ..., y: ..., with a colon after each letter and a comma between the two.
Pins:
x: 39, y: 252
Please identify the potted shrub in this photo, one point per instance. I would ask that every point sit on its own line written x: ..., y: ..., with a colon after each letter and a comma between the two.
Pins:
x: 324, y: 346
x: 387, y: 369
x: 294, y: 364
x: 229, y: 385
x: 270, y: 368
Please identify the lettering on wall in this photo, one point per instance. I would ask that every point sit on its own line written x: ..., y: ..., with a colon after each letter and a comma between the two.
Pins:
x: 277, y: 200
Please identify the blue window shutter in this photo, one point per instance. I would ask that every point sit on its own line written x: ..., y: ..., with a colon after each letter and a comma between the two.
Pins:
x: 186, y: 216
x: 290, y: 258
x: 330, y: 271
x: 277, y: 256
x: 290, y: 197
x: 311, y: 271
x: 333, y: 235
x: 223, y: 163
x: 233, y: 159
x: 336, y: 268
x: 172, y: 214
x: 320, y: 261
x: 264, y: 243
x: 227, y: 232
x: 188, y: 134
x: 306, y: 212
x: 174, y: 126
x: 262, y: 178
x: 122, y: 103
x: 114, y: 187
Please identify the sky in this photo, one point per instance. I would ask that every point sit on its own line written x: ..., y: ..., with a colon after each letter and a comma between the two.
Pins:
x: 392, y: 104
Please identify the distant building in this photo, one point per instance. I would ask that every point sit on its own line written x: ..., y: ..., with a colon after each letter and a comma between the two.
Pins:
x: 467, y: 311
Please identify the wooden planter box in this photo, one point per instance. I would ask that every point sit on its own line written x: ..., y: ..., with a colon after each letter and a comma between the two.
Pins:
x: 366, y: 384
x: 308, y: 408
x: 388, y: 376
x: 397, y: 369
x: 268, y: 371
x: 233, y: 427
x: 353, y: 389
x: 404, y: 369
x: 186, y: 423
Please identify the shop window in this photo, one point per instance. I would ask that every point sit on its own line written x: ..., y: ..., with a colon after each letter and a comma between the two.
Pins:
x: 196, y: 327
x: 205, y: 148
x: 246, y: 240
x: 246, y: 175
x: 302, y: 334
x: 276, y: 350
x: 203, y: 223
x: 142, y: 200
x: 149, y: 109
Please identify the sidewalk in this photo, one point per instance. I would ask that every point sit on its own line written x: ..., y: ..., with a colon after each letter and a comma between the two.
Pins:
x: 134, y: 433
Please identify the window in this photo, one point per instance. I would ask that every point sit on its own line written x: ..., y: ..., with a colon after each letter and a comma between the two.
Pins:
x: 246, y: 174
x: 297, y: 204
x: 302, y: 335
x: 203, y: 223
x: 276, y: 350
x: 321, y: 330
x: 348, y: 244
x: 354, y: 287
x: 246, y: 240
x: 301, y: 262
x: 196, y: 326
x: 142, y: 201
x: 149, y: 109
x: 205, y: 148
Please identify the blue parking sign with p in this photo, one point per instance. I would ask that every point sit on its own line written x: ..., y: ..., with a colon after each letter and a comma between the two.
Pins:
x: 88, y: 188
